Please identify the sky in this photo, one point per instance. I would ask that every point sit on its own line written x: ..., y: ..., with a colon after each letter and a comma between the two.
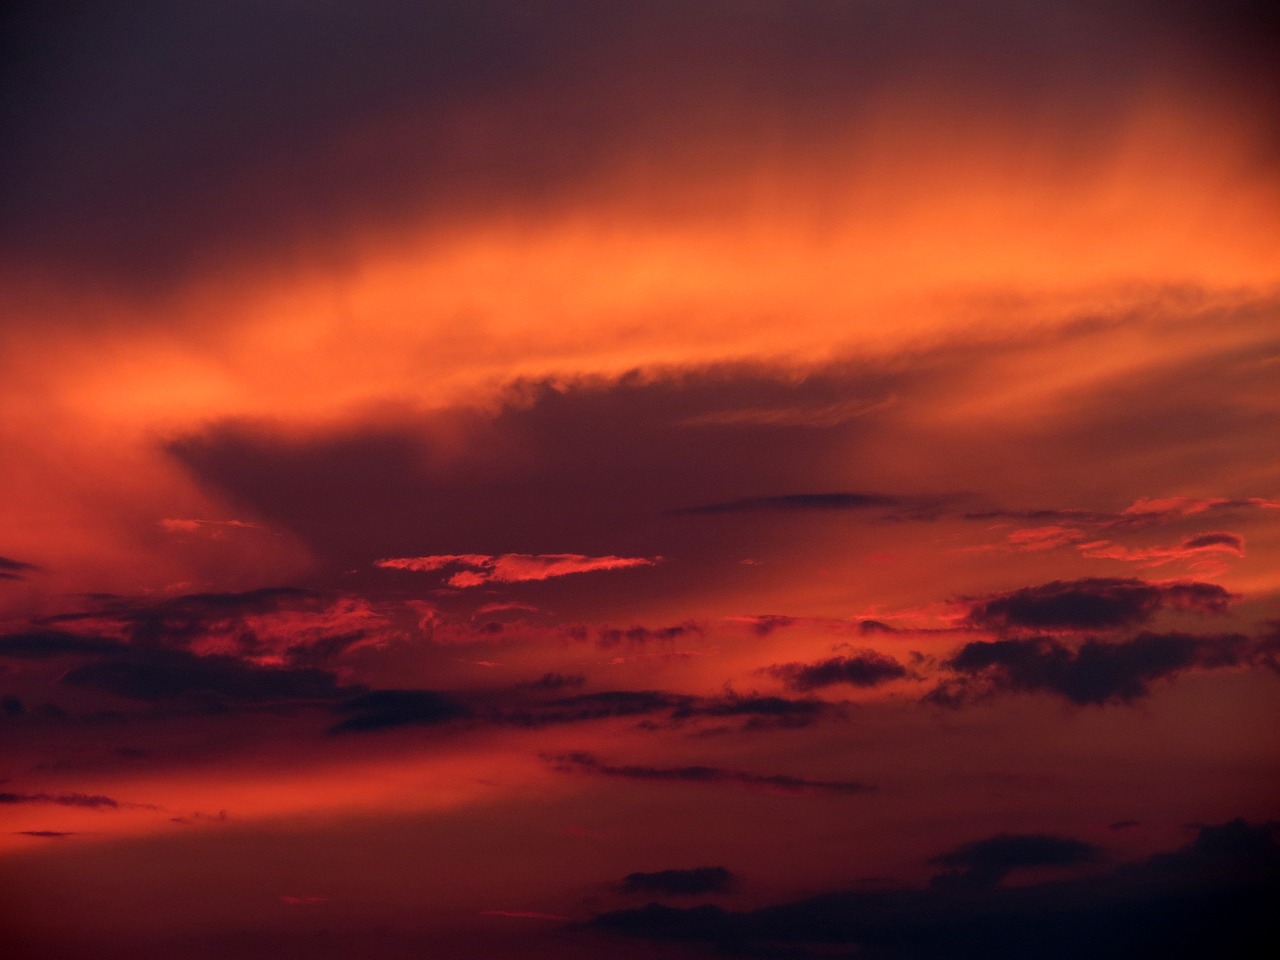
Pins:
x: 648, y: 479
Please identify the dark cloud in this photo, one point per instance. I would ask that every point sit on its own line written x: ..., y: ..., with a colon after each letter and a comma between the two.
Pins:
x: 757, y: 712
x: 47, y: 834
x: 384, y: 709
x: 176, y: 621
x: 313, y: 126
x: 1231, y: 540
x: 1092, y: 603
x: 1124, y: 825
x: 866, y: 668
x: 159, y: 674
x: 680, y: 883
x: 588, y: 763
x: 760, y: 711
x: 985, y: 863
x: 556, y: 681
x: 1214, y: 897
x: 1093, y: 672
x: 590, y: 466
x: 12, y: 706
x: 41, y: 644
x: 62, y: 800
x: 15, y: 569
x: 638, y: 635
x: 592, y: 706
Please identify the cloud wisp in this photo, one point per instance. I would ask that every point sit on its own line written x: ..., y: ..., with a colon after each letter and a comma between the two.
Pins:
x: 477, y: 569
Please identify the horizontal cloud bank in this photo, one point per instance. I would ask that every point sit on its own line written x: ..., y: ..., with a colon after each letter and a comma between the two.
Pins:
x: 1213, y: 897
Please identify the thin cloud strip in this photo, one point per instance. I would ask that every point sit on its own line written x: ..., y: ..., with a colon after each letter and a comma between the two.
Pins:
x: 481, y: 568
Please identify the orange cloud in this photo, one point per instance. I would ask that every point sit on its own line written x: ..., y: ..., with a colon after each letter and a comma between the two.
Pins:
x: 512, y: 567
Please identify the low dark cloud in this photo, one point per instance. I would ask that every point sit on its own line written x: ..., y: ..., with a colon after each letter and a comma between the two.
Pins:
x: 1092, y: 603
x: 47, y: 834
x: 1213, y: 897
x: 62, y: 800
x: 639, y: 635
x: 11, y: 569
x: 588, y: 763
x: 384, y: 709
x: 985, y: 863
x: 1094, y: 672
x: 866, y: 668
x: 43, y: 644
x: 680, y: 883
x: 159, y: 674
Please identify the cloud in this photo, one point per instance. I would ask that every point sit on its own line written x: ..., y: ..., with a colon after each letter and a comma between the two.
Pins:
x: 587, y: 763
x: 90, y: 801
x: 800, y: 501
x: 1189, y: 548
x: 680, y: 883
x: 608, y: 637
x: 512, y: 567
x: 276, y: 626
x: 984, y: 863
x: 154, y: 675
x: 1212, y: 897
x: 1093, y: 673
x: 42, y: 644
x: 47, y: 834
x: 866, y: 668
x: 213, y: 528
x: 384, y: 709
x: 1092, y: 603
x: 15, y: 569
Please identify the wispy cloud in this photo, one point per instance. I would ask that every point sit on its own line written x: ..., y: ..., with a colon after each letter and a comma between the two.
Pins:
x: 479, y: 568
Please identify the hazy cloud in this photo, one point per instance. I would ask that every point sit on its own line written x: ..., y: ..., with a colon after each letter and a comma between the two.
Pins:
x: 680, y: 883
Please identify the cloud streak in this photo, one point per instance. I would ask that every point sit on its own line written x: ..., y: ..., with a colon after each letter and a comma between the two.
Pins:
x: 478, y: 568
x: 578, y: 762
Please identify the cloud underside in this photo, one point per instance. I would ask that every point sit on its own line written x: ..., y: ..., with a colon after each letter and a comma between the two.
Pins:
x: 1213, y: 897
x: 1093, y: 603
x: 1093, y: 672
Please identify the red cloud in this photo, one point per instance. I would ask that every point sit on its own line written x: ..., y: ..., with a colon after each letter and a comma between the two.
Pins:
x: 482, y: 568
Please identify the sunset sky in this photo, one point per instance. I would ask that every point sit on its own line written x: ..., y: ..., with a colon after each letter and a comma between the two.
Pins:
x: 639, y: 480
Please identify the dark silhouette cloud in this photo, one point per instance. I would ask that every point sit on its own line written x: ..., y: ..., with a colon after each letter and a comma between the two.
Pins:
x: 616, y: 636
x: 41, y: 644
x: 62, y: 800
x: 384, y: 709
x: 588, y: 763
x: 1092, y: 603
x: 1094, y: 672
x: 160, y: 674
x: 15, y: 569
x: 866, y: 668
x: 47, y: 834
x: 984, y: 863
x: 680, y: 883
x: 1213, y: 897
